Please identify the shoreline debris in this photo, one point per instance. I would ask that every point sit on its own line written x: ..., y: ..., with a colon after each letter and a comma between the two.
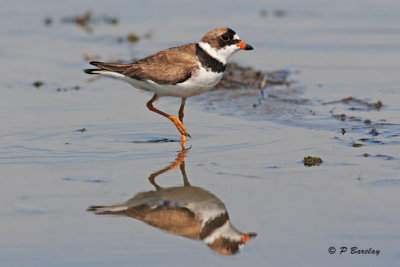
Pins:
x: 237, y: 76
x: 37, y: 84
x: 349, y: 100
x: 310, y: 161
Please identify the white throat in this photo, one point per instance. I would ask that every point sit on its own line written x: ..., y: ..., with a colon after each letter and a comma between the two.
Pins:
x: 226, y: 231
x: 221, y: 54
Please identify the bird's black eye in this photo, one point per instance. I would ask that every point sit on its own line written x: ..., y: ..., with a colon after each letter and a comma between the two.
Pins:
x: 225, y: 37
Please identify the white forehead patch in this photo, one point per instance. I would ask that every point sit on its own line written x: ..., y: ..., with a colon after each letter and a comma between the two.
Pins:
x: 236, y: 37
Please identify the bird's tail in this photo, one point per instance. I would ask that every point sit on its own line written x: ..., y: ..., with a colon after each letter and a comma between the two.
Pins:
x: 115, y: 209
x: 103, y: 68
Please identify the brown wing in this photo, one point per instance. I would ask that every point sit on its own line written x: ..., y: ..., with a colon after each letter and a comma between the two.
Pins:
x: 176, y: 220
x: 171, y: 66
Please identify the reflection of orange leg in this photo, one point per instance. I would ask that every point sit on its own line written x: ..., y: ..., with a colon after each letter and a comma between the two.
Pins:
x: 179, y: 125
x: 183, y: 171
x: 179, y: 162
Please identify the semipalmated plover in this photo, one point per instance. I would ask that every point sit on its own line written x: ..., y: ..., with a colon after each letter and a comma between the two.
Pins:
x: 182, y: 71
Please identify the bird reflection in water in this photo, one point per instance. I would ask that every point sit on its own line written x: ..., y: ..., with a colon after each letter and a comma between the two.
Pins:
x: 186, y: 210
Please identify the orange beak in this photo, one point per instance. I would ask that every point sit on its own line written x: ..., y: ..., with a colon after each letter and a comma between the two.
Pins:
x: 244, y: 46
x: 248, y: 236
x: 245, y: 238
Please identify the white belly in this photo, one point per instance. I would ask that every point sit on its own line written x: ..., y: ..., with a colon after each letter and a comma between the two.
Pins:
x: 200, y: 82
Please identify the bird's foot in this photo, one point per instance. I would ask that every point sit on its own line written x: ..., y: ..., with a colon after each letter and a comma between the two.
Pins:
x: 179, y: 125
x: 183, y: 143
x: 183, y: 139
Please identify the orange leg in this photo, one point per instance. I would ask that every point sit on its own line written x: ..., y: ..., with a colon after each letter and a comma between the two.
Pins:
x: 183, y: 138
x: 179, y: 125
x: 182, y: 108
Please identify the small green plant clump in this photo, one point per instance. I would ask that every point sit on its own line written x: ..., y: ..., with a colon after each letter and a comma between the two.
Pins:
x: 312, y: 161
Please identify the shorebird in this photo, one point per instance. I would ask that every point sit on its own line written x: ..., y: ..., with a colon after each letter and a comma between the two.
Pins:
x: 182, y: 71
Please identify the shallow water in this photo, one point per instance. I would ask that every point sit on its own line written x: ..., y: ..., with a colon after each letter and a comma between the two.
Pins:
x: 249, y: 157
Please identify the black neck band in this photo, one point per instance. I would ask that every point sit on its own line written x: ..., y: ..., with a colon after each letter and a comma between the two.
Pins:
x: 209, y: 62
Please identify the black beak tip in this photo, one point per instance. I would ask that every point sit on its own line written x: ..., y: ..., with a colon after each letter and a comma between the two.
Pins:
x: 248, y: 47
x: 252, y: 234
